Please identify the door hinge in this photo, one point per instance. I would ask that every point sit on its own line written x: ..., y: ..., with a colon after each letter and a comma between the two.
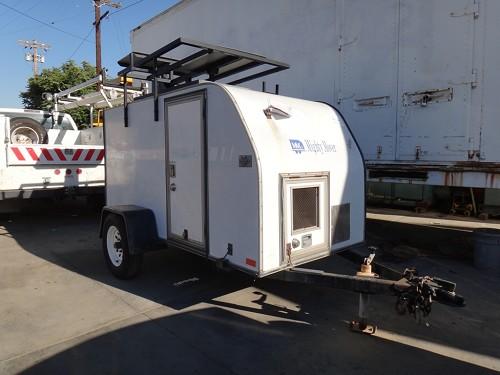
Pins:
x: 341, y: 97
x: 343, y: 43
x: 474, y: 81
x: 473, y: 10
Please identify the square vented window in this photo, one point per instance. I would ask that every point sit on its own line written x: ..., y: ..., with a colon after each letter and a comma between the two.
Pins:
x: 305, y: 208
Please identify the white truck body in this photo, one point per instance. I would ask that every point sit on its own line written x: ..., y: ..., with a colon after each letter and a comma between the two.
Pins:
x: 71, y: 160
x: 417, y: 82
x: 228, y: 182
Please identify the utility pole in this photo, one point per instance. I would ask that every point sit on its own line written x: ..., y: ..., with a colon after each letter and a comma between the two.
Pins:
x: 97, y: 23
x: 33, y: 55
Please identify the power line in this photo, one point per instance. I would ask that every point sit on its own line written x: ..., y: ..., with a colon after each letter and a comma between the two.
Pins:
x: 98, y: 18
x: 14, y: 19
x: 81, y: 43
x: 126, y: 7
x: 42, y: 22
x: 90, y: 31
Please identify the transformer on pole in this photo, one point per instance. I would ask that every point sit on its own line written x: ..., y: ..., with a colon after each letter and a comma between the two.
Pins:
x: 34, y: 54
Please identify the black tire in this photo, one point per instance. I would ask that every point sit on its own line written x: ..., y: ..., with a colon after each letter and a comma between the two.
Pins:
x: 24, y: 130
x: 130, y: 264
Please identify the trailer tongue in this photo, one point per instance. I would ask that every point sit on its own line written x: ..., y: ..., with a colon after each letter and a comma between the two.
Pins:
x: 253, y: 181
x: 414, y: 294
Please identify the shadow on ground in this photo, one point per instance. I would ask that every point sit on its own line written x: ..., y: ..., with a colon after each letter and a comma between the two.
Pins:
x: 216, y: 341
x: 230, y: 323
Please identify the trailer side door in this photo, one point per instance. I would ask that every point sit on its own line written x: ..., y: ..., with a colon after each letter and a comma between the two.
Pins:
x: 186, y: 170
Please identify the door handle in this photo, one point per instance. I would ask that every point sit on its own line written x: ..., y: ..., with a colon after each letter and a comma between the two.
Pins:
x: 173, y: 187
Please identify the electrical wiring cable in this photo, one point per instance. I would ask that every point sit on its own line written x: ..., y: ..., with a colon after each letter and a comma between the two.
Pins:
x: 81, y: 43
x: 42, y: 22
x: 126, y: 7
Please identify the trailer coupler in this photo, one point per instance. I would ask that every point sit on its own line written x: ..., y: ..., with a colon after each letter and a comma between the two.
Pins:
x: 414, y: 294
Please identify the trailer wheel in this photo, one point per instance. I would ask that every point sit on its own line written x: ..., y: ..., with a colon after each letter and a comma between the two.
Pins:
x: 120, y: 262
x: 25, y: 130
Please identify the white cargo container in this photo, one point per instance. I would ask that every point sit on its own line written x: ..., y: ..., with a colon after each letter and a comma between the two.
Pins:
x: 259, y: 181
x: 416, y: 80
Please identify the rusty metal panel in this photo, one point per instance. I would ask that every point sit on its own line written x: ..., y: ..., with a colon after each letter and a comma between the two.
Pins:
x: 435, y: 80
x: 367, y: 74
x: 427, y: 97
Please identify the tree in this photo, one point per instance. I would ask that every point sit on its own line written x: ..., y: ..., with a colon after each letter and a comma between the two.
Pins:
x: 54, y: 80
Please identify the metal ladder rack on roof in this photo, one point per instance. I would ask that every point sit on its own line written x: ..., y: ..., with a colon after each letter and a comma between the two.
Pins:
x: 108, y: 95
x: 165, y: 67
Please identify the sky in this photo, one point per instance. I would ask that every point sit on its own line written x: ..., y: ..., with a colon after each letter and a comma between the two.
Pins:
x: 66, y: 25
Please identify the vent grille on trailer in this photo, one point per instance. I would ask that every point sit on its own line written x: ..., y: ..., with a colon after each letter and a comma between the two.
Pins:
x: 305, y: 208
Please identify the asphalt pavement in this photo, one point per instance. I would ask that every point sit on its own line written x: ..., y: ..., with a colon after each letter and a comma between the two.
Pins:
x: 61, y: 311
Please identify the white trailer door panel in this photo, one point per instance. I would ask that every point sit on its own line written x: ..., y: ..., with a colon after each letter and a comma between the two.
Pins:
x: 435, y: 74
x: 367, y: 90
x: 186, y: 170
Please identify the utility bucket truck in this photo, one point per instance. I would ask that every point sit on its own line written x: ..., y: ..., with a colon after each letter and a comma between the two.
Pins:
x: 45, y: 155
x: 251, y: 180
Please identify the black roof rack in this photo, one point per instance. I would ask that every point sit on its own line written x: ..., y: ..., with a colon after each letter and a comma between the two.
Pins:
x: 215, y: 62
x: 167, y: 67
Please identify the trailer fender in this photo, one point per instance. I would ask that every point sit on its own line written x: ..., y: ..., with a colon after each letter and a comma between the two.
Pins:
x: 140, y: 225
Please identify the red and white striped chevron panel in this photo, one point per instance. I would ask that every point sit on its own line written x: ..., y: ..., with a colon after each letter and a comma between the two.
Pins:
x: 43, y: 154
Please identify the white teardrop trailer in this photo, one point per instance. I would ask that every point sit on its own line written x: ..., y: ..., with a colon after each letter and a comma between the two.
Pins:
x: 251, y: 180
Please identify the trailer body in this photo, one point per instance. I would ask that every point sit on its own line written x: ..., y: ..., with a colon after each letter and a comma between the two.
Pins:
x: 226, y: 181
x: 416, y: 83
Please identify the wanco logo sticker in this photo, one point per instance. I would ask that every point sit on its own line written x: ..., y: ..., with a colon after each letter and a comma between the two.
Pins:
x: 318, y: 147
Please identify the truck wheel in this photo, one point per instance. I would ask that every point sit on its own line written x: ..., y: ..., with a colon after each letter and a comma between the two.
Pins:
x: 120, y: 262
x: 25, y: 130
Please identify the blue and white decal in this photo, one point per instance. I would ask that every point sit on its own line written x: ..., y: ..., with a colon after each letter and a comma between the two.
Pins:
x: 315, y: 146
x: 297, y: 146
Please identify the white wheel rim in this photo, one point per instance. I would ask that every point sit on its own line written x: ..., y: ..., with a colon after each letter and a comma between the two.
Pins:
x: 115, y: 253
x: 22, y: 134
